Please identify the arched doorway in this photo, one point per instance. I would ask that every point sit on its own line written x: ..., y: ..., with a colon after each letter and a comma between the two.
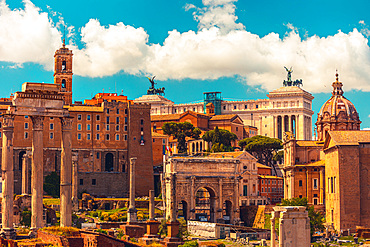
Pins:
x: 227, y: 211
x: 183, y: 210
x: 109, y: 162
x: 20, y: 159
x: 205, y: 205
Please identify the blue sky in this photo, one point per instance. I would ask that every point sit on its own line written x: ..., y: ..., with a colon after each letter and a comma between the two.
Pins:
x: 237, y: 47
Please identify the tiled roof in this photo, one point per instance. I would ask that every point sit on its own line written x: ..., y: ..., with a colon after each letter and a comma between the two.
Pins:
x: 269, y: 176
x: 263, y: 166
x: 226, y: 154
x: 85, y: 108
x: 350, y: 137
x: 224, y: 117
x: 169, y: 117
x: 310, y: 143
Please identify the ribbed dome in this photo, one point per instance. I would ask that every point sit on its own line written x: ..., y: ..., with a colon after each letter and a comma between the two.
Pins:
x: 338, y: 113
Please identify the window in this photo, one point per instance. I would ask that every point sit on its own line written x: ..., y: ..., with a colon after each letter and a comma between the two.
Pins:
x: 236, y: 128
x: 125, y: 127
x: 88, y: 136
x: 88, y: 126
x: 64, y: 65
x: 79, y: 136
x: 315, y: 186
x: 300, y: 183
x: 0, y: 124
x: 117, y: 137
x: 262, y: 181
x: 300, y: 196
x: 125, y: 137
x: 117, y: 111
x: 88, y: 117
x: 51, y: 118
x: 51, y: 126
x: 97, y: 117
x: 81, y: 182
x: 26, y: 116
x: 79, y: 127
x: 245, y: 106
x: 125, y: 120
x: 108, y: 127
x: 98, y: 127
x: 25, y: 135
x: 107, y: 120
x: 63, y: 83
x: 52, y: 135
x: 234, y: 107
x: 141, y: 129
x: 97, y: 155
x: 26, y: 125
x: 107, y: 111
x: 126, y: 111
x: 93, y: 181
x: 142, y: 121
x: 314, y: 195
x: 245, y: 190
x: 117, y: 127
x: 117, y: 120
x: 97, y: 137
x: 107, y: 137
x: 256, y: 106
x: 224, y: 107
x: 79, y: 117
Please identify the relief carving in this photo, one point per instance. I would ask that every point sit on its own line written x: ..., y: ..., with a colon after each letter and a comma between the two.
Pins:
x: 66, y: 123
x: 37, y: 122
x: 8, y: 121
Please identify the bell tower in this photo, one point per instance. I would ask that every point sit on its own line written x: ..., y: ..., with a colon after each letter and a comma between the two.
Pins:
x: 63, y: 72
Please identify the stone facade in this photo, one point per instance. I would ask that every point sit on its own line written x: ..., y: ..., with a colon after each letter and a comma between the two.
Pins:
x: 211, y: 188
x: 107, y: 131
x: 286, y: 109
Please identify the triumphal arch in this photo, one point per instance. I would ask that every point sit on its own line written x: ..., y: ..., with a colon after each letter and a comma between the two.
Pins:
x: 211, y: 188
x: 37, y: 101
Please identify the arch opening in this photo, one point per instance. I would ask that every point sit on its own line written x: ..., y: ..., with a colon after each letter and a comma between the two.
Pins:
x: 109, y: 162
x: 205, y: 204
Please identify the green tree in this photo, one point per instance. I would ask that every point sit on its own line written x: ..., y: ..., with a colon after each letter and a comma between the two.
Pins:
x: 220, y: 139
x: 26, y: 217
x: 52, y: 185
x: 180, y: 131
x: 262, y: 147
x: 316, y: 218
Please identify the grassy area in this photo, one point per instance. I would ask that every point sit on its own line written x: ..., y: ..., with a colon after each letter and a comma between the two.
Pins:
x: 60, y: 231
x: 51, y: 201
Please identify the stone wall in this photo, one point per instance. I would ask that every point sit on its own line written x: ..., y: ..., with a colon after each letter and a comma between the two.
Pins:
x: 204, y: 229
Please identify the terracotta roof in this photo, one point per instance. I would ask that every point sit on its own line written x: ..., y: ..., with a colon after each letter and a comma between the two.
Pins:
x: 263, y: 166
x: 310, y: 143
x: 350, y: 137
x: 169, y: 117
x: 155, y: 134
x: 269, y: 176
x: 224, y: 117
x: 85, y: 108
x: 226, y: 154
x: 316, y: 163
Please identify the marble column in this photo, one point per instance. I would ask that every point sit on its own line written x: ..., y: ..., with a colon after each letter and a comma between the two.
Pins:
x: 74, y: 181
x: 173, y: 205
x: 322, y: 185
x: 25, y: 171
x: 7, y: 166
x: 273, y: 232
x: 221, y: 200
x: 192, y: 198
x: 37, y: 172
x: 151, y: 205
x: 132, y: 212
x: 66, y: 174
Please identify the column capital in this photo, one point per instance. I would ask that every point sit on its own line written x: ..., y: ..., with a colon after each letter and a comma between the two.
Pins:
x: 133, y: 160
x: 8, y: 121
x: 66, y: 123
x: 37, y: 122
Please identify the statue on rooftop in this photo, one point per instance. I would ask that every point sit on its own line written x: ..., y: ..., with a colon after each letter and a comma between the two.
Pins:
x: 152, y: 90
x: 289, y: 82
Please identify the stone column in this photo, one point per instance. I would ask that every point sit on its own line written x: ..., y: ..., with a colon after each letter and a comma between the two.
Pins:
x: 221, y: 204
x: 74, y: 181
x: 192, y: 198
x: 307, y: 189
x: 322, y: 185
x: 25, y: 175
x: 131, y: 212
x: 173, y: 205
x: 151, y: 205
x: 37, y: 172
x: 273, y: 233
x: 7, y: 166
x: 290, y: 123
x: 66, y: 174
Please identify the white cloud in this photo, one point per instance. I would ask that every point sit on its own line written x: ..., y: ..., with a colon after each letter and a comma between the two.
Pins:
x: 221, y: 47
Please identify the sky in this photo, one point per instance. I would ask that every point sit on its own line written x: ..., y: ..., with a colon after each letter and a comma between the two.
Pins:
x: 192, y: 46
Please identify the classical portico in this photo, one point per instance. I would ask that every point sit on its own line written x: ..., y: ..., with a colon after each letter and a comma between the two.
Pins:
x: 36, y: 100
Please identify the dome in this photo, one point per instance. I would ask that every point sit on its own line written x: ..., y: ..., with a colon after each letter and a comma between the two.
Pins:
x: 338, y: 113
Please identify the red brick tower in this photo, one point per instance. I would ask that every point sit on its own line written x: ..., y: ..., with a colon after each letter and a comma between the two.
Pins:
x: 63, y: 72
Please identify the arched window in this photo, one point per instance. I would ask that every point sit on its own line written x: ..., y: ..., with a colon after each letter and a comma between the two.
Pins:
x: 109, y: 162
x: 64, y: 66
x: 63, y: 83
